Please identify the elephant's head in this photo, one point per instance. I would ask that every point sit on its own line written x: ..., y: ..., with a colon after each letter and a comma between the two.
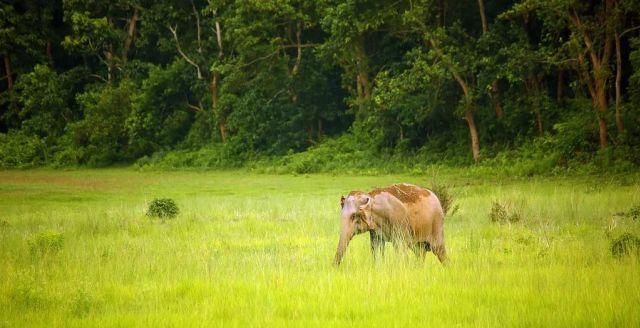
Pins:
x: 355, y: 219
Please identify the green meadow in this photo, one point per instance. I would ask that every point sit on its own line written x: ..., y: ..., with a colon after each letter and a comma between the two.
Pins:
x: 77, y: 250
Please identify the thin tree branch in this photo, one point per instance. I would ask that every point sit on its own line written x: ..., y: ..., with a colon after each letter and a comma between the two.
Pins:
x: 309, y: 45
x: 275, y: 96
x: 193, y: 107
x: 296, y: 66
x: 99, y: 77
x: 219, y: 40
x: 175, y: 37
x: 195, y: 12
x: 631, y: 29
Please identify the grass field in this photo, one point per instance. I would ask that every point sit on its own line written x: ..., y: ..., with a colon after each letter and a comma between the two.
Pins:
x: 76, y: 249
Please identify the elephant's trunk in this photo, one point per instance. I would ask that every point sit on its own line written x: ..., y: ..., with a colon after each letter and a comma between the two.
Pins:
x: 345, y: 238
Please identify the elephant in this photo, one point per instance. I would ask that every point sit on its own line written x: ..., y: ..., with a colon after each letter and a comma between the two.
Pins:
x: 403, y: 214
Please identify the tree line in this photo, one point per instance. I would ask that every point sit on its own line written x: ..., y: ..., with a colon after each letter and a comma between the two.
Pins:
x: 96, y: 82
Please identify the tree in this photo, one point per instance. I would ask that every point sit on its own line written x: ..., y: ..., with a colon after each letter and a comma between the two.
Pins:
x: 105, y: 30
x: 589, y: 45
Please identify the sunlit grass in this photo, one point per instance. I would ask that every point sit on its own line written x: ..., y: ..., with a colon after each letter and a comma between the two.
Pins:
x: 256, y: 250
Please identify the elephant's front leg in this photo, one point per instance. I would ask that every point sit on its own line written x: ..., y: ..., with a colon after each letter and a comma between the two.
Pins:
x: 377, y: 244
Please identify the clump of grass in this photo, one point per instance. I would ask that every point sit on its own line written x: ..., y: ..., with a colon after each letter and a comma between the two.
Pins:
x: 46, y: 242
x: 82, y: 304
x: 624, y: 245
x: 4, y: 224
x: 446, y: 198
x: 164, y: 208
x: 633, y: 213
x: 504, y: 213
x: 30, y: 297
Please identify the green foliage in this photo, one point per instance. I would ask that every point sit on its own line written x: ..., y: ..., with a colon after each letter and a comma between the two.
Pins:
x: 44, y: 108
x: 633, y: 213
x: 30, y: 296
x: 45, y: 243
x: 213, y: 156
x: 20, y: 150
x: 160, y: 117
x: 504, y: 212
x: 625, y: 244
x: 280, y: 83
x: 101, y: 137
x: 163, y: 208
x: 346, y: 153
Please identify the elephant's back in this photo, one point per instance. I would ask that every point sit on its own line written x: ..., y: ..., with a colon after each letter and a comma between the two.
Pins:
x: 424, y: 211
x: 406, y: 193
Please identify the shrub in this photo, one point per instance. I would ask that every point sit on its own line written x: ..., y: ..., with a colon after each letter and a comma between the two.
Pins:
x: 46, y: 242
x: 30, y: 296
x: 626, y: 244
x: 82, y: 304
x: 164, y: 208
x: 446, y: 198
x: 633, y: 213
x: 503, y: 213
x: 20, y: 150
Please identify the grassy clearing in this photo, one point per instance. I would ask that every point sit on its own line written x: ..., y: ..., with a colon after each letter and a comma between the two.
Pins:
x: 76, y: 249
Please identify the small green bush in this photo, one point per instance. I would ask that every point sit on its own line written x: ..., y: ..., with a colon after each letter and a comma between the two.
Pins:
x: 164, y: 208
x: 82, y: 304
x: 46, y: 242
x: 446, y: 198
x: 30, y: 296
x: 633, y: 213
x: 626, y: 244
x: 503, y: 213
x: 20, y: 150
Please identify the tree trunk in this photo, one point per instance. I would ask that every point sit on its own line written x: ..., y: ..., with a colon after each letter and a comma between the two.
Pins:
x: 539, y: 122
x: 596, y: 78
x: 483, y: 17
x: 468, y: 104
x: 362, y: 77
x: 533, y: 85
x: 560, y: 86
x: 619, y: 123
x: 468, y: 116
x: 442, y: 13
x: 473, y: 133
x: 493, y: 93
x: 7, y: 68
x: 215, y: 89
x: 600, y: 104
x: 131, y: 34
x: 109, y: 61
x: 296, y: 66
x: 49, y: 53
x: 497, y: 106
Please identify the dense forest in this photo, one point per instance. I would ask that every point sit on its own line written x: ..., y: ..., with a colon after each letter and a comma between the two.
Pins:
x: 541, y: 85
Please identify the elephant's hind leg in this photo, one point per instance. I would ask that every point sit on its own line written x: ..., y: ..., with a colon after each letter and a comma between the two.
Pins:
x: 441, y: 252
x: 377, y: 245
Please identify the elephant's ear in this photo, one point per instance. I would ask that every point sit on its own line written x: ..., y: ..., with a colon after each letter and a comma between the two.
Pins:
x: 342, y: 202
x: 365, y: 202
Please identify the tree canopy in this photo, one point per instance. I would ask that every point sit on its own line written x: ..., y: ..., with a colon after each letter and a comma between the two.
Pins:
x: 103, y: 82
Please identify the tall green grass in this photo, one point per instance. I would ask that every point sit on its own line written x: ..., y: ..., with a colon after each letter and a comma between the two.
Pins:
x: 256, y: 250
